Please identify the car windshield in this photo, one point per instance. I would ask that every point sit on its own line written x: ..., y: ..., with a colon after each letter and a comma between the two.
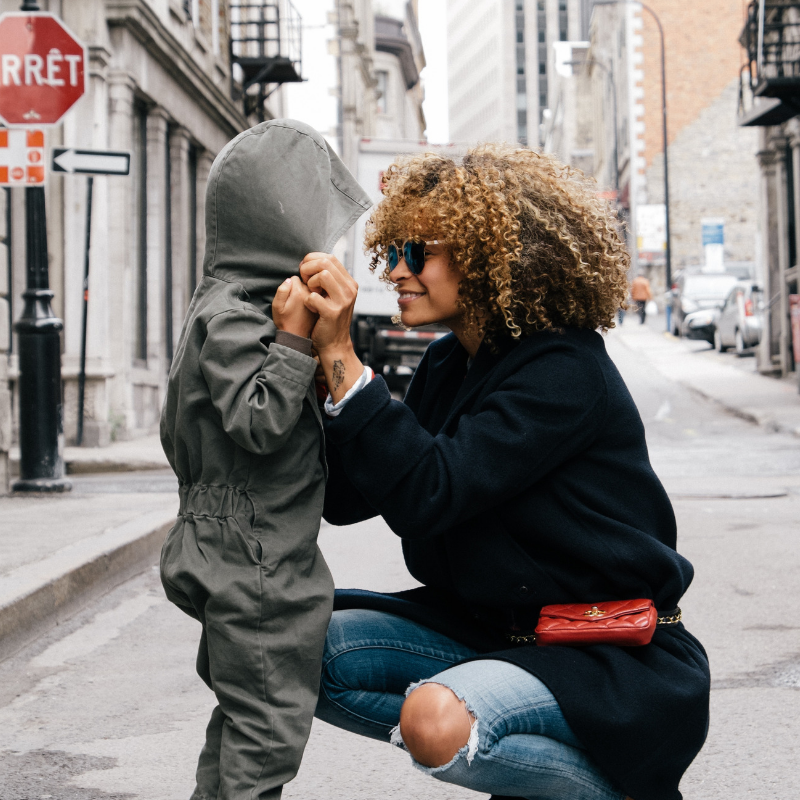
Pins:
x: 708, y: 286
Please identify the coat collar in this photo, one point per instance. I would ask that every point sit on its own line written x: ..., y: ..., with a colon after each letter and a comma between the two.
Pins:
x: 482, y: 365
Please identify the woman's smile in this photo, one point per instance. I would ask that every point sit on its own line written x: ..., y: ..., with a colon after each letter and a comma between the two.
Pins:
x: 406, y: 297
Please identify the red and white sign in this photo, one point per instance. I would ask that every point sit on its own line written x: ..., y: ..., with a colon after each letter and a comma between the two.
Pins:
x: 22, y: 157
x: 42, y: 69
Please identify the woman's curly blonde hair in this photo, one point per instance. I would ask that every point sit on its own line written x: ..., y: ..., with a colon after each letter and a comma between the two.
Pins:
x: 536, y: 246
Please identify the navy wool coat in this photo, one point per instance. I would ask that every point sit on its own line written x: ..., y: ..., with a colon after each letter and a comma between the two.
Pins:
x: 524, y: 481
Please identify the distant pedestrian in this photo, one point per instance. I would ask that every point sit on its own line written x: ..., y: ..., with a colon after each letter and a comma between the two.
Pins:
x: 516, y: 475
x: 640, y: 294
x: 242, y: 430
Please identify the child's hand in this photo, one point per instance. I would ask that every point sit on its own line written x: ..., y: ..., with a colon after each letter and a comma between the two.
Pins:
x: 289, y: 312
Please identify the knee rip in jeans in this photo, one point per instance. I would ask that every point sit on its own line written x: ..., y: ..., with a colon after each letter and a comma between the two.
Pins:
x: 468, y: 750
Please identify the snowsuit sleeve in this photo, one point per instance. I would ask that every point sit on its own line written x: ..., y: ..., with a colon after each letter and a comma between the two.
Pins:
x: 256, y: 386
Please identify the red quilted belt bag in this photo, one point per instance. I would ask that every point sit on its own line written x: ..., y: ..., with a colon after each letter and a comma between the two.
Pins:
x: 627, y: 623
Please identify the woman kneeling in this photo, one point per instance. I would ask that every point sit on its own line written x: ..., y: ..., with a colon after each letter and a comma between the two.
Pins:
x: 517, y: 475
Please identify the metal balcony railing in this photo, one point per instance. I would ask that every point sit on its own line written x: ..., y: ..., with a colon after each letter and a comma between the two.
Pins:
x: 771, y: 37
x: 266, y: 43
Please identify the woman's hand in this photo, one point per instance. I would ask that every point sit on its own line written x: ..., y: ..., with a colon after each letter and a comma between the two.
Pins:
x: 332, y: 297
x: 289, y: 311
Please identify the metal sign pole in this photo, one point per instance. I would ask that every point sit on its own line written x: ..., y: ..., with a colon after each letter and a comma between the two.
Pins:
x: 82, y: 373
x: 34, y: 35
x: 41, y: 465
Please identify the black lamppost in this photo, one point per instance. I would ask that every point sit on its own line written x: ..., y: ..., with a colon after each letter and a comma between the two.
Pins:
x: 668, y: 272
x: 41, y: 465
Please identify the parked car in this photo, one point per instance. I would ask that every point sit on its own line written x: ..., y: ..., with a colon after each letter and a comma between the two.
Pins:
x: 738, y: 323
x: 698, y: 291
x: 701, y: 325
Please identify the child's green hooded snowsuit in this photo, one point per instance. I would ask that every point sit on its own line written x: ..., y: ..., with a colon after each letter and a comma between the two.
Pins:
x: 243, y: 432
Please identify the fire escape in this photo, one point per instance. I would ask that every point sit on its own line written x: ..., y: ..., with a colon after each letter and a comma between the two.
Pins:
x: 769, y: 86
x: 266, y: 44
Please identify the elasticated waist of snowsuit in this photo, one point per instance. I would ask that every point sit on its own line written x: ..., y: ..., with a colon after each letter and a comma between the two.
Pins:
x: 204, y: 500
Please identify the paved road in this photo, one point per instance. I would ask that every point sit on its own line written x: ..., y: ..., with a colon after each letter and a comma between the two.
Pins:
x: 107, y: 706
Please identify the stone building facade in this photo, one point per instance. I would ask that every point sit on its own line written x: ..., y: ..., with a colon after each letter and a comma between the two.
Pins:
x: 768, y: 104
x: 380, y: 57
x: 712, y: 169
x: 160, y: 85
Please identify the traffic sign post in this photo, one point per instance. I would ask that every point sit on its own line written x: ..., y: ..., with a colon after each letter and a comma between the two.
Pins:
x: 42, y: 75
x: 42, y: 69
x: 22, y: 161
x: 85, y: 320
x: 91, y: 162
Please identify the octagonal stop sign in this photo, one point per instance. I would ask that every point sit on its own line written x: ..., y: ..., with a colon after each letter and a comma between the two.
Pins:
x: 42, y: 69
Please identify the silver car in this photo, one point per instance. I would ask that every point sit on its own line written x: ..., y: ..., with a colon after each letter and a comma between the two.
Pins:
x: 738, y: 322
x: 696, y: 292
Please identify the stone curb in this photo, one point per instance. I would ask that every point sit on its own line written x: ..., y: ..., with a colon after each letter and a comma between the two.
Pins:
x: 754, y: 417
x: 86, y: 466
x: 768, y: 419
x: 38, y: 596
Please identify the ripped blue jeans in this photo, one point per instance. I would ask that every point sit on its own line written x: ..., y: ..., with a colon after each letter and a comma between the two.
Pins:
x: 520, y: 744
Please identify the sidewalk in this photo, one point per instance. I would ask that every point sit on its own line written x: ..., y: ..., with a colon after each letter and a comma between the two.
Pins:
x: 723, y: 378
x: 137, y: 454
x: 59, y: 552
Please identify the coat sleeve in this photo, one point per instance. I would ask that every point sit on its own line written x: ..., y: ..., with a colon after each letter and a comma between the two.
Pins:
x: 542, y: 415
x: 257, y: 387
x: 344, y: 504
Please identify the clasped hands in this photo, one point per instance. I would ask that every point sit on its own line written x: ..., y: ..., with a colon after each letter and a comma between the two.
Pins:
x: 319, y: 305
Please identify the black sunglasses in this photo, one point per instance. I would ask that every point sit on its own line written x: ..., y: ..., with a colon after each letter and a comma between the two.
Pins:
x: 413, y: 255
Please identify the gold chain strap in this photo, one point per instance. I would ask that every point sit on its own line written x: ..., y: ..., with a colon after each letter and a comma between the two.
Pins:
x: 530, y: 638
x: 671, y: 619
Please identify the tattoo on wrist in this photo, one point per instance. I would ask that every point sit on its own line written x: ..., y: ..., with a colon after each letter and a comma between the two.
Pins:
x: 338, y: 373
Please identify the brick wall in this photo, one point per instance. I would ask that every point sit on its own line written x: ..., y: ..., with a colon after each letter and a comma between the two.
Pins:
x: 713, y: 172
x: 713, y: 169
x: 702, y: 57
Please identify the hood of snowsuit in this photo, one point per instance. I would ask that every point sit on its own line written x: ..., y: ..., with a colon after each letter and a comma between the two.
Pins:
x: 275, y: 193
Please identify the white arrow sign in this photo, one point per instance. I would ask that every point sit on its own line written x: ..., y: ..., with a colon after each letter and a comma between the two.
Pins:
x: 91, y: 162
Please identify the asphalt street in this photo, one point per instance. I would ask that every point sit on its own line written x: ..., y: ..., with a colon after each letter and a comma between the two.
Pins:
x: 108, y: 706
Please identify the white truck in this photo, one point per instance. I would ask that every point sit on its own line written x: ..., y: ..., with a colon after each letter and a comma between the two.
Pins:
x: 388, y: 349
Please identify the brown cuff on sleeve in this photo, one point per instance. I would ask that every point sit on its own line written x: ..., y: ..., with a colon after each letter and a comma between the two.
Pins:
x: 299, y: 343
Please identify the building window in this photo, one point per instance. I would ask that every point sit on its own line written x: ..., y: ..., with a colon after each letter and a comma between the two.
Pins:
x: 790, y: 206
x: 168, y: 340
x: 192, y: 265
x: 562, y: 21
x: 215, y: 27
x: 541, y: 24
x: 522, y: 97
x: 383, y: 91
x: 140, y: 193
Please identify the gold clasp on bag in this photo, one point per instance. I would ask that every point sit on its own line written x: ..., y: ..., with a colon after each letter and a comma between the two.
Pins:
x: 594, y: 611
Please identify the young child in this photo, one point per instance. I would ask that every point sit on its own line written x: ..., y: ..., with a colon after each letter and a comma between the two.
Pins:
x: 243, y: 432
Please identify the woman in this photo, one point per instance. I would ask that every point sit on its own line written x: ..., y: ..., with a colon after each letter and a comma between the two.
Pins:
x: 516, y: 473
